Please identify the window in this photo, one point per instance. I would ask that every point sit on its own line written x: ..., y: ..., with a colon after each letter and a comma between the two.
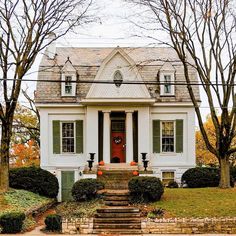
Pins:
x: 167, y: 84
x: 167, y: 176
x: 68, y: 137
x: 68, y: 85
x: 118, y: 78
x: 167, y: 136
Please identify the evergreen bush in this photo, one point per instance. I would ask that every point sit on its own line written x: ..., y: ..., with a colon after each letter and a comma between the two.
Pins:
x: 145, y: 189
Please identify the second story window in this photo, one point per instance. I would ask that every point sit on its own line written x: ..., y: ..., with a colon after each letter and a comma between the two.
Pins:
x: 68, y: 85
x: 167, y: 84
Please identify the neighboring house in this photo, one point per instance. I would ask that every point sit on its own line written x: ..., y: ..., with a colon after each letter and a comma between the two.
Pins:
x: 114, y: 120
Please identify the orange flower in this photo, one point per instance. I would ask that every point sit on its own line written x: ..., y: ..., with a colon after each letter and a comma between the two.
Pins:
x: 101, y: 163
x: 135, y: 173
x: 133, y: 163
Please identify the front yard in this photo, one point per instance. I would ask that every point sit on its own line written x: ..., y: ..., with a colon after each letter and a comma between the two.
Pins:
x: 16, y: 200
x: 199, y: 202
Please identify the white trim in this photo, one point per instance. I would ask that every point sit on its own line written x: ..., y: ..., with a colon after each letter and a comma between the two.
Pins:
x: 117, y: 100
x: 51, y: 105
x: 174, y: 104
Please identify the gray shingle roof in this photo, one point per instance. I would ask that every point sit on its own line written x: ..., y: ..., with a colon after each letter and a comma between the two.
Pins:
x: 87, y: 61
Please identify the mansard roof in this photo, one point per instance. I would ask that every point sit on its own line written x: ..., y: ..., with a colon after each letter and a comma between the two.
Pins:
x: 87, y: 62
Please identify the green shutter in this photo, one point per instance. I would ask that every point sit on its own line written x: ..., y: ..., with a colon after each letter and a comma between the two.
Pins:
x: 156, y: 136
x: 179, y: 136
x: 79, y: 136
x: 56, y: 137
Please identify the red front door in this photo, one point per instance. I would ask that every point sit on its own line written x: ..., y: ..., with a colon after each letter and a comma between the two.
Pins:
x: 118, y: 141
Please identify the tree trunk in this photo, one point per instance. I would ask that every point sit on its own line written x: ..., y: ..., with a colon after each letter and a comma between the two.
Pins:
x: 224, y: 173
x: 4, y: 161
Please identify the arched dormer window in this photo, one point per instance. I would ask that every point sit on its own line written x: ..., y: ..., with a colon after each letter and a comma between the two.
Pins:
x: 118, y: 78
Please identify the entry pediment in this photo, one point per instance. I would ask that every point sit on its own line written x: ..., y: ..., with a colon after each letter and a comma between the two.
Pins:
x: 118, y: 60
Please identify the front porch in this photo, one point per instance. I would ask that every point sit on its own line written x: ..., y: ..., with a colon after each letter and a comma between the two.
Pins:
x: 117, y: 134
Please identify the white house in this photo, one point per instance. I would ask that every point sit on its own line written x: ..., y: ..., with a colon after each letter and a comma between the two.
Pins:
x: 109, y: 101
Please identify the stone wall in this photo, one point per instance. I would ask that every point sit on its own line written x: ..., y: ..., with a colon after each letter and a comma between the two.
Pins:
x: 77, y: 226
x: 189, y: 226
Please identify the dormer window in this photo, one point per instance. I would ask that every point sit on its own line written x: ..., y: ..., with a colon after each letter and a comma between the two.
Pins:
x: 167, y: 84
x: 167, y: 79
x: 68, y: 85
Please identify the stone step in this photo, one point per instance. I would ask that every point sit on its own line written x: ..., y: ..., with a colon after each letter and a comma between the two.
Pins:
x: 117, y: 215
x: 110, y: 192
x: 115, y: 185
x: 116, y: 203
x: 118, y: 210
x: 116, y: 231
x: 117, y: 220
x: 116, y: 198
x: 116, y: 226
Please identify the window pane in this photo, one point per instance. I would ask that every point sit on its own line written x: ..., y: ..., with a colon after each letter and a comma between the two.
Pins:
x: 68, y: 139
x: 68, y: 85
x: 167, y: 85
x: 167, y: 136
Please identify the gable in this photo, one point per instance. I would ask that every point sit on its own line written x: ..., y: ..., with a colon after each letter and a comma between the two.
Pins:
x: 118, y: 60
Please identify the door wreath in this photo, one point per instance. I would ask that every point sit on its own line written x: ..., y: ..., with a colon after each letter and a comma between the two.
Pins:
x: 117, y: 140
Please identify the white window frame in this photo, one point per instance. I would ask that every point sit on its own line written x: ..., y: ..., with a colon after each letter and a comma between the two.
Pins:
x: 172, y: 80
x: 173, y: 121
x: 166, y: 171
x: 63, y: 85
x: 62, y: 122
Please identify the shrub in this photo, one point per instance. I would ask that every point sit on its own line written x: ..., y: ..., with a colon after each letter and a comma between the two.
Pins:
x: 86, y: 189
x: 35, y: 180
x: 53, y: 223
x: 12, y: 223
x: 145, y: 189
x: 172, y: 184
x: 201, y: 177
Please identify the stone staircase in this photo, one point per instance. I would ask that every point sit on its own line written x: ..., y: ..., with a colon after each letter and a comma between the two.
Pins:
x: 116, y: 176
x: 117, y: 217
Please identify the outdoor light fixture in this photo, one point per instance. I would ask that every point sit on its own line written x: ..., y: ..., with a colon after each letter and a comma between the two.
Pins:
x: 145, y: 162
x: 144, y: 155
x: 118, y: 79
x: 90, y: 162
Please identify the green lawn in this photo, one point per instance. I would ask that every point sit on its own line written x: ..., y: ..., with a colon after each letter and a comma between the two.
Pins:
x: 200, y: 202
x: 20, y: 200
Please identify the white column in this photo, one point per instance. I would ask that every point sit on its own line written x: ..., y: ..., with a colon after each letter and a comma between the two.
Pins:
x: 129, y: 136
x: 106, y: 137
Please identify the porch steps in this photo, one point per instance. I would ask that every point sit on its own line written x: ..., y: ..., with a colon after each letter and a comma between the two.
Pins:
x: 117, y: 217
x: 116, y: 176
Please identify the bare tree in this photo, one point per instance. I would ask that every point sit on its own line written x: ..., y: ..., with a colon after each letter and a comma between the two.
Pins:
x: 25, y: 26
x: 204, y: 31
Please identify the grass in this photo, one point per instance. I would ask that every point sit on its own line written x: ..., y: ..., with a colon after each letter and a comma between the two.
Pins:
x: 20, y: 200
x: 200, y: 202
x: 79, y: 209
x: 16, y: 200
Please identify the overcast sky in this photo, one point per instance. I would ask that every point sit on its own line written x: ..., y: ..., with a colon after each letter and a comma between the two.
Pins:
x: 113, y: 29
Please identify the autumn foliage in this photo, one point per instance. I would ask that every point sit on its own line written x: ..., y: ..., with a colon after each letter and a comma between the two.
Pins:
x: 205, y: 157
x: 25, y: 154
